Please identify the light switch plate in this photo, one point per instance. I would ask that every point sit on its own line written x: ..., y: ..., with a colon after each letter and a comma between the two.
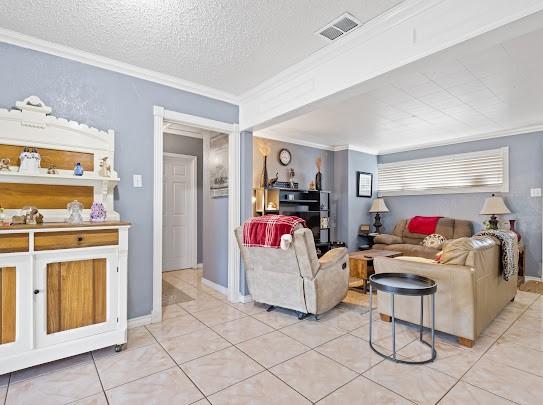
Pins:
x: 137, y: 180
x: 535, y: 192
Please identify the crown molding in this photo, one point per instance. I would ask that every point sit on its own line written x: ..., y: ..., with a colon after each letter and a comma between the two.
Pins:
x: 355, y: 148
x: 470, y: 138
x: 296, y: 141
x: 36, y: 44
x: 288, y: 139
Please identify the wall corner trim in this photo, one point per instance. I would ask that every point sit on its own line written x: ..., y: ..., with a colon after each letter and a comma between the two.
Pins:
x: 140, y: 321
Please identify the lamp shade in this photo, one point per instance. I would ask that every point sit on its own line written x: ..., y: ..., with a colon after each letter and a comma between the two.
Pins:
x: 494, y: 206
x: 378, y: 205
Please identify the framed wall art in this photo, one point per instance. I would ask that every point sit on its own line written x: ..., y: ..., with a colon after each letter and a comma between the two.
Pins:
x: 364, y: 183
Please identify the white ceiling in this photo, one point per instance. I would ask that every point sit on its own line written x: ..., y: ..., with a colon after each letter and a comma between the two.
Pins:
x: 440, y: 99
x: 229, y: 45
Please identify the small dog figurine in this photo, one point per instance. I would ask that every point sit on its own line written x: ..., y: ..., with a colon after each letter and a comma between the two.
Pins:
x: 4, y: 164
x: 105, y: 168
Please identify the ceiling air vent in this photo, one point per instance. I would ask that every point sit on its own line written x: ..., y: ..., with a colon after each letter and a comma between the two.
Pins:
x: 338, y: 27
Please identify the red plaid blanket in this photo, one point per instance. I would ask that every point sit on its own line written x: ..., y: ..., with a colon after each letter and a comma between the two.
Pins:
x: 266, y: 231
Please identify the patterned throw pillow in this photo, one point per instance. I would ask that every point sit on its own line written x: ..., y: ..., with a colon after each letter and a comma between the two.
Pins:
x: 434, y: 241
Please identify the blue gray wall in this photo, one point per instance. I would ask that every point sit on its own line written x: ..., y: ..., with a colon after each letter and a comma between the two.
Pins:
x: 186, y: 145
x: 106, y: 99
x: 352, y: 211
x: 525, y: 172
x: 246, y: 191
x: 303, y: 163
x: 358, y: 206
x: 215, y: 240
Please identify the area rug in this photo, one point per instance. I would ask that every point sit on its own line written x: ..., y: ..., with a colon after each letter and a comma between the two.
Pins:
x: 532, y: 286
x: 173, y: 295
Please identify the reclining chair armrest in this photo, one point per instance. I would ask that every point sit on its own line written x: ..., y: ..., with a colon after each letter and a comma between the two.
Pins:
x: 334, y: 257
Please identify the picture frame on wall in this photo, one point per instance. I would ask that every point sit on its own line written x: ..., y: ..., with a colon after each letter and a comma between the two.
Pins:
x: 364, y: 184
x: 218, y: 166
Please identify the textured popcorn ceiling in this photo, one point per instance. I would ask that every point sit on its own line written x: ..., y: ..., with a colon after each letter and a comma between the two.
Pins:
x: 230, y: 45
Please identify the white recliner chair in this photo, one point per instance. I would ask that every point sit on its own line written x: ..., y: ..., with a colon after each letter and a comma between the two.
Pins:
x: 295, y: 278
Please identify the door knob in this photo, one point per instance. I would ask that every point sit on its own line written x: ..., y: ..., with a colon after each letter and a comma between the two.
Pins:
x: 80, y: 238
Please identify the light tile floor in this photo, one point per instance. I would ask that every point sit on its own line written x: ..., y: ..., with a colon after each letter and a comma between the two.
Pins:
x: 208, y: 350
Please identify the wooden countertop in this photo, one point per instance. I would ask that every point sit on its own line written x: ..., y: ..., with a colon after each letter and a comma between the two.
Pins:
x: 59, y: 225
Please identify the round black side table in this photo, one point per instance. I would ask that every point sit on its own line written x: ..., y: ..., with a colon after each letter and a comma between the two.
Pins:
x: 404, y: 284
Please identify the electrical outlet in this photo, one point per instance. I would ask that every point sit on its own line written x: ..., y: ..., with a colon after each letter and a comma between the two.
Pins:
x: 137, y: 180
x: 535, y: 192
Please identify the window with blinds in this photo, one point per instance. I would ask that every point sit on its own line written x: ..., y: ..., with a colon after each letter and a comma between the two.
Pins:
x: 485, y: 171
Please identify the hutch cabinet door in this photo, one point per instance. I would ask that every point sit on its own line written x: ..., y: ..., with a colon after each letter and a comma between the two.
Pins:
x: 15, y: 304
x: 77, y: 296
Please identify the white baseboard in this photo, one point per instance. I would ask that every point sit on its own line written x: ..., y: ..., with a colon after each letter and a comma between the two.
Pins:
x: 200, y: 266
x: 245, y: 298
x: 139, y: 321
x: 532, y: 278
x: 215, y: 286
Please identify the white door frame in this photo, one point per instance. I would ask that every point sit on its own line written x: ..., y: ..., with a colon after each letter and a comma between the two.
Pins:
x: 234, y: 154
x: 194, y: 219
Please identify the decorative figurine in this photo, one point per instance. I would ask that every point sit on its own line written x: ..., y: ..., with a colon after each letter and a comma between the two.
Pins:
x: 311, y: 185
x: 52, y: 170
x: 78, y: 169
x: 291, y: 175
x: 30, y: 160
x: 273, y: 180
x: 98, y: 212
x: 31, y: 216
x: 318, y: 176
x: 4, y: 164
x: 75, y: 209
x: 105, y: 167
x: 17, y: 220
x: 264, y: 150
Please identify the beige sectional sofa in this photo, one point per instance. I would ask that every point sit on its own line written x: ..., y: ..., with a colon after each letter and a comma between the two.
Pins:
x: 471, y: 292
x: 401, y: 240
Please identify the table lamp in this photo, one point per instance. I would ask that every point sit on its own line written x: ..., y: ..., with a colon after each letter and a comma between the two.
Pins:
x: 377, y: 206
x: 494, y: 206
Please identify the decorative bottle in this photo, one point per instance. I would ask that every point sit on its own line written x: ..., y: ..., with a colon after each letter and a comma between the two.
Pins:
x: 78, y: 169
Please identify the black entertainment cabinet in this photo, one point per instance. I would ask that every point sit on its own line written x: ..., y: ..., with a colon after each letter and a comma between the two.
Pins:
x: 311, y: 205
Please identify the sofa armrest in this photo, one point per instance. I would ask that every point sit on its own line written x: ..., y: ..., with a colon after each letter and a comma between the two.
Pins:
x: 334, y: 257
x: 387, y: 239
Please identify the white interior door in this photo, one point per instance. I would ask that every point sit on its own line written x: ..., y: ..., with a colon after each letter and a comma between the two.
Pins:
x: 179, y: 212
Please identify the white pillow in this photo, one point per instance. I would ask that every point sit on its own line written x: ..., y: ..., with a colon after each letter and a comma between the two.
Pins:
x: 434, y: 241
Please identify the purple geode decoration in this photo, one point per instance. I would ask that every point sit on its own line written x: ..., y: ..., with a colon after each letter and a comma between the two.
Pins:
x: 98, y: 212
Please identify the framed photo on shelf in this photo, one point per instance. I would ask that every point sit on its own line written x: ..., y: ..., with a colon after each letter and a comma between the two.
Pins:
x: 364, y: 183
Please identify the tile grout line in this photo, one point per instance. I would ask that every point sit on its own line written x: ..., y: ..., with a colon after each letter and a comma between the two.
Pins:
x: 176, y: 365
x: 99, y: 378
x: 7, y: 389
x: 483, y: 354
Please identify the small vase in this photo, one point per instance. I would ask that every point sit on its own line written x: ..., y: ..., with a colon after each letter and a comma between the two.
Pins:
x: 318, y: 181
x: 78, y: 170
x: 264, y: 177
x: 512, y: 223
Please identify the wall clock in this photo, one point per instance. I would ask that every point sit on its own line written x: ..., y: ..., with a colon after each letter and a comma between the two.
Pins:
x: 284, y: 157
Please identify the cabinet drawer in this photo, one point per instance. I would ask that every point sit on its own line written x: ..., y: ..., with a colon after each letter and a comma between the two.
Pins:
x: 14, y: 242
x: 75, y: 239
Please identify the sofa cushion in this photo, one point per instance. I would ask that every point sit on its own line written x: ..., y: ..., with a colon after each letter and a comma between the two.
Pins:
x: 388, y: 239
x: 409, y: 250
x: 456, y: 251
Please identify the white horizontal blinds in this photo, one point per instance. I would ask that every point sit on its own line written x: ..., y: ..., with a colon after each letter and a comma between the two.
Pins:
x: 463, y: 173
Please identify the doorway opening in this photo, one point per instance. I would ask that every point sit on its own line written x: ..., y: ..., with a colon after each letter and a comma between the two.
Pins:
x: 196, y: 207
